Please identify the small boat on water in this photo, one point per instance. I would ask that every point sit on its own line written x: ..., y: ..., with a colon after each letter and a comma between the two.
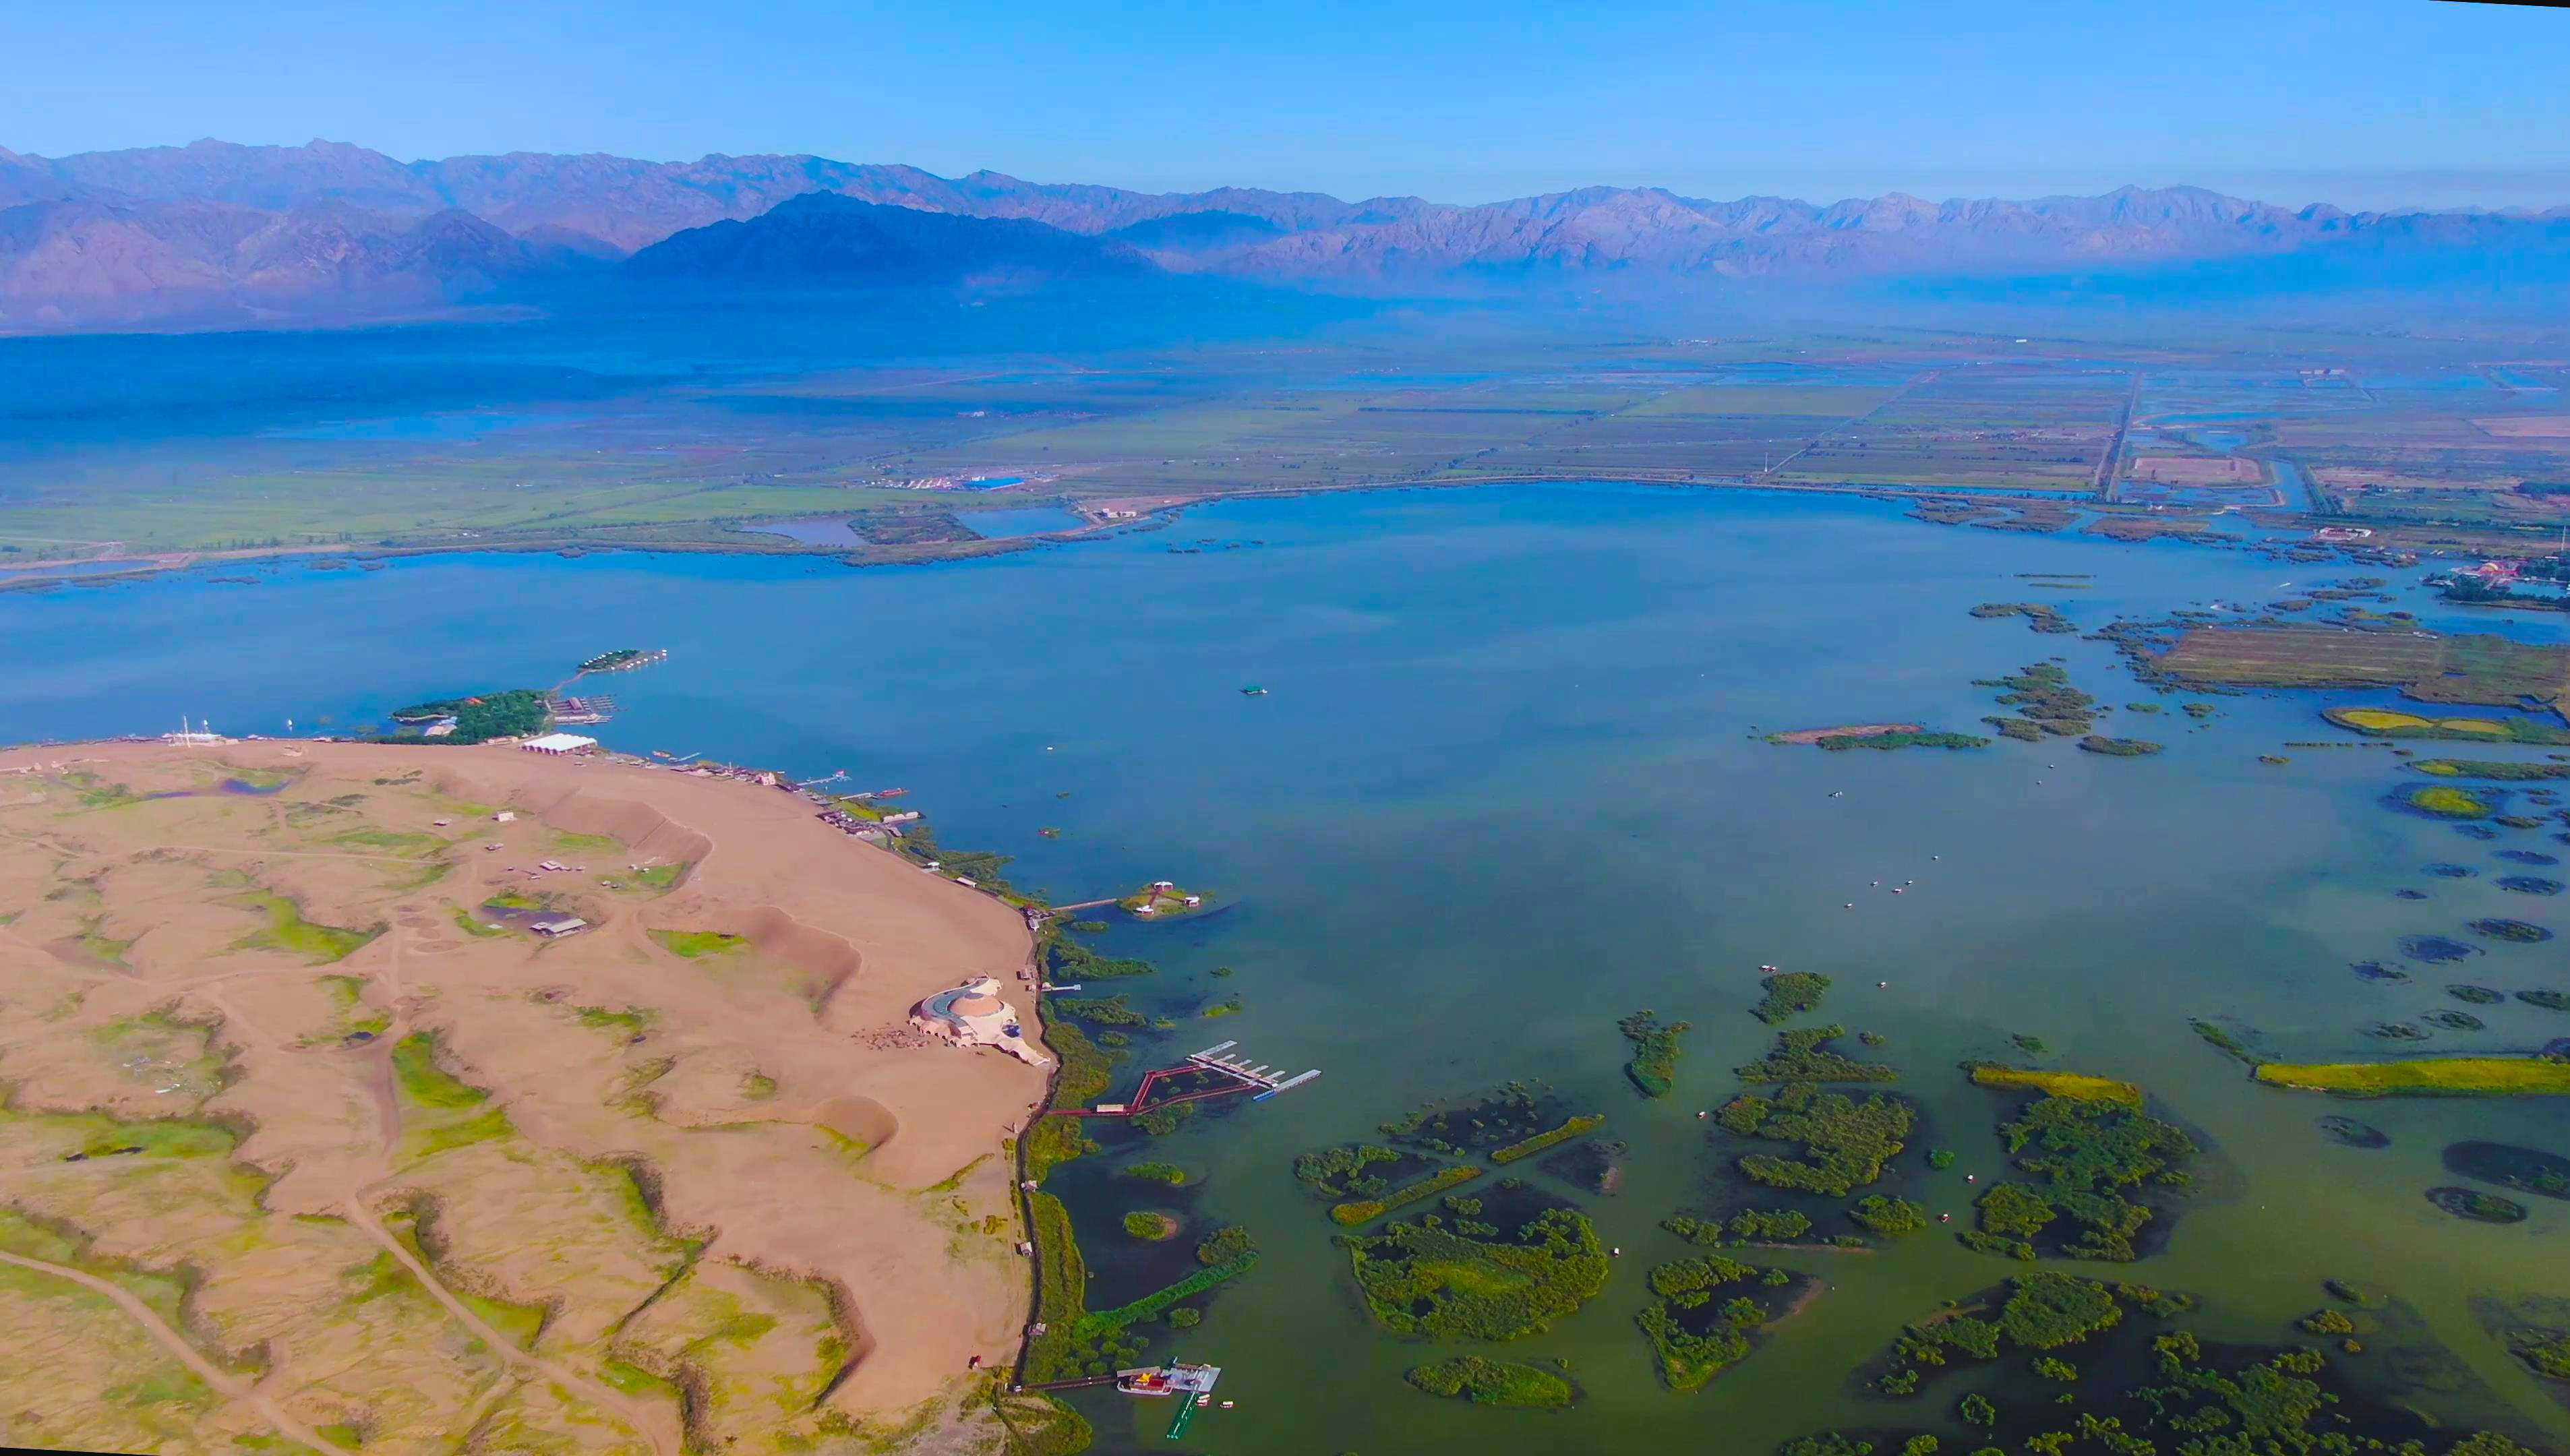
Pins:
x: 1253, y: 692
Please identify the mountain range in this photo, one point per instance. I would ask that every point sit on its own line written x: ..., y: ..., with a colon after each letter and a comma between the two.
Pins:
x: 219, y: 234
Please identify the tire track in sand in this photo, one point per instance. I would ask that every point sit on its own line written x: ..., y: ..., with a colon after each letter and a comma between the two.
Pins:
x: 233, y: 1387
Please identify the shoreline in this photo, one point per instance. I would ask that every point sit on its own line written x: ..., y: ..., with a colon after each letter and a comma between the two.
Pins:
x: 1158, y: 513
x: 911, y: 1303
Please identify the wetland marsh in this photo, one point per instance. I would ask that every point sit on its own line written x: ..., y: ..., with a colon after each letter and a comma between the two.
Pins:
x: 1393, y: 913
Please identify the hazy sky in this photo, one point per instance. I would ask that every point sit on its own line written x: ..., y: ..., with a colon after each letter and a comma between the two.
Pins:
x: 2357, y: 102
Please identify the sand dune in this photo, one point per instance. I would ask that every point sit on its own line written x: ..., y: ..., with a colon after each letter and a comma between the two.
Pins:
x: 362, y: 1070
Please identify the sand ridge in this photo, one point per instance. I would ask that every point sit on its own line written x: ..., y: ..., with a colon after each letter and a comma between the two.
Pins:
x: 557, y: 1182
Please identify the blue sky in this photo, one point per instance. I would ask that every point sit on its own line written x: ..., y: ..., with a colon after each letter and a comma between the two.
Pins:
x: 2350, y: 100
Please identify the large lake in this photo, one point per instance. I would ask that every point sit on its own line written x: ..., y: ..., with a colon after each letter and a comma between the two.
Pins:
x: 1505, y: 787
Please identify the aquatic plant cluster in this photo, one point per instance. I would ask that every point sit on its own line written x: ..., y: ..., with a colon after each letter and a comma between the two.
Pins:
x: 1655, y: 1052
x: 1802, y: 1054
x: 2088, y: 1151
x: 1844, y: 1143
x: 2195, y: 1401
x: 1788, y: 994
x: 1491, y: 1383
x: 1696, y: 1338
x: 1419, y: 1278
x: 2045, y: 703
x: 1840, y: 742
x: 2040, y: 617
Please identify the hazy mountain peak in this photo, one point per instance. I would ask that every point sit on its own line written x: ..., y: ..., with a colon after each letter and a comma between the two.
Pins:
x: 163, y: 226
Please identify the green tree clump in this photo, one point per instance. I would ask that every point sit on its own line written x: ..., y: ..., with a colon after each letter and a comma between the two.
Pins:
x: 1694, y: 1339
x: 1655, y: 1052
x: 2087, y: 1152
x: 1225, y: 1244
x: 1759, y: 1226
x: 1165, y: 1119
x: 1433, y: 1281
x: 1788, y: 994
x: 1491, y: 1383
x: 1844, y: 1143
x: 1888, y: 1215
x: 1341, y: 1172
x: 2047, y: 1310
x: 510, y: 713
x: 1066, y: 960
x: 1802, y: 1054
x: 1101, y: 1011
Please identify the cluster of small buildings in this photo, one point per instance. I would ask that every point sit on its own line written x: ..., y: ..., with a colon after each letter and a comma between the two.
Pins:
x: 1165, y: 889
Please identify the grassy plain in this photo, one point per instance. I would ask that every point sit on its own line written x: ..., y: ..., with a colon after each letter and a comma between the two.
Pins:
x: 2469, y: 668
x: 684, y: 459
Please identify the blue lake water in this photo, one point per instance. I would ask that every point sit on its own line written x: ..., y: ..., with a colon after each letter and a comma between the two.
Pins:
x: 1507, y: 786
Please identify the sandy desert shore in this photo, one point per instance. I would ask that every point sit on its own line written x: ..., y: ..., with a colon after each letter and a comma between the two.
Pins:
x: 309, y: 1138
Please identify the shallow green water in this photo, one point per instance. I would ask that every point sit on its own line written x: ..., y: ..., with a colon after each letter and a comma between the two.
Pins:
x: 1506, y: 788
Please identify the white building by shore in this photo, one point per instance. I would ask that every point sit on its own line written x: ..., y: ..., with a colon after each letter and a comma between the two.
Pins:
x: 973, y: 1014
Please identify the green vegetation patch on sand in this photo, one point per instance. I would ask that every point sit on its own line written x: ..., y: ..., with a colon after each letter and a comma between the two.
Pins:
x: 694, y: 945
x: 1061, y: 1290
x: 290, y: 932
x: 419, y: 1072
x: 2427, y: 1077
x: 1491, y: 1383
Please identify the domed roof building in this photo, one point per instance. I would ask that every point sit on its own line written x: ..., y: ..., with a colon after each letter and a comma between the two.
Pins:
x: 973, y: 1014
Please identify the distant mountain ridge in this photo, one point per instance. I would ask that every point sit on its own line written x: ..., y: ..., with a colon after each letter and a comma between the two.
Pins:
x: 831, y: 240
x: 214, y: 231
